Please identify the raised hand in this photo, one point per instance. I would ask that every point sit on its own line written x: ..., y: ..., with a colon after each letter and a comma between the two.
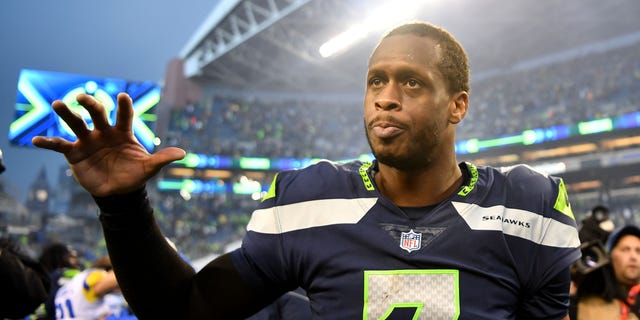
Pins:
x: 108, y: 159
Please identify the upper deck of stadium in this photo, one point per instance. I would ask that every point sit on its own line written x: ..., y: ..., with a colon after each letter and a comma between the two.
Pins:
x: 271, y: 46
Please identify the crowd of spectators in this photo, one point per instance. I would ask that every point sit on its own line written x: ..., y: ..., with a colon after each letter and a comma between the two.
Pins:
x: 564, y: 93
x: 205, y: 223
x: 585, y: 88
x: 589, y: 87
x: 275, y: 129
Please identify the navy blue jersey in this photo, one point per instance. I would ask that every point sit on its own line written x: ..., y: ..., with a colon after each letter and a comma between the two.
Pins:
x: 499, y: 248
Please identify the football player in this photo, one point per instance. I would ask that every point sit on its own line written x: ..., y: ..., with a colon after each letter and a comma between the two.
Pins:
x: 413, y: 234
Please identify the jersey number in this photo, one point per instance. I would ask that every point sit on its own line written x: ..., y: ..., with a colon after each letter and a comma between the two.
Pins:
x: 411, y: 294
x: 60, y: 310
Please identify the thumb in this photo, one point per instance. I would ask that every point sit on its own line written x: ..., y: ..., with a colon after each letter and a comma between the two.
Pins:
x: 166, y: 156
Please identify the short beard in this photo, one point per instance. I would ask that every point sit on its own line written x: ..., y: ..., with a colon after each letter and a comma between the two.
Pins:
x: 408, y: 162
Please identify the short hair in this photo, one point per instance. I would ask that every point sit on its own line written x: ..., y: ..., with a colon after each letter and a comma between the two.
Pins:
x: 454, y: 63
x: 56, y: 256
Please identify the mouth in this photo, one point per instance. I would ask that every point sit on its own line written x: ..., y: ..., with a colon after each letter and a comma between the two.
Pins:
x: 386, y: 129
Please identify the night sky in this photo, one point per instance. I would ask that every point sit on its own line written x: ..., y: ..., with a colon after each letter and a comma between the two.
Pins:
x: 128, y: 39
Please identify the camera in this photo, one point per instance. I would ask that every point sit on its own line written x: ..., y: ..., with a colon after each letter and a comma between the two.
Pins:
x: 593, y: 257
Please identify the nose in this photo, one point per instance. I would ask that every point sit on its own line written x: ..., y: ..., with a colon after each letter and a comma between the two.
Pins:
x: 388, y: 98
x: 635, y: 255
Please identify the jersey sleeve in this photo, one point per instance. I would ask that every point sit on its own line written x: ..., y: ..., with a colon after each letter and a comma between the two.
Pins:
x: 260, y: 260
x: 93, y: 278
x: 551, y: 301
x: 544, y: 263
x: 272, y: 254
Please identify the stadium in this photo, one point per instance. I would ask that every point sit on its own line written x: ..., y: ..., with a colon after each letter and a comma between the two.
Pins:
x: 564, y: 103
x: 555, y: 85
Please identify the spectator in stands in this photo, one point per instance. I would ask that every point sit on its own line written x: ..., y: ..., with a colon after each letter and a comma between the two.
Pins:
x: 452, y: 239
x: 24, y: 284
x: 610, y: 291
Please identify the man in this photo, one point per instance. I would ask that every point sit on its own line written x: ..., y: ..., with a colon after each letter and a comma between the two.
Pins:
x: 597, y: 226
x: 610, y: 292
x: 412, y: 235
x: 624, y: 249
x: 62, y: 263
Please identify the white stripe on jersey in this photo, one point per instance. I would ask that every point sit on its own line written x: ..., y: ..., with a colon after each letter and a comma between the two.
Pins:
x: 309, y: 214
x: 519, y: 223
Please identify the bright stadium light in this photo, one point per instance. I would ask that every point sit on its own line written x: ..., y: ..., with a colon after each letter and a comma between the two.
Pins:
x: 343, y: 40
x: 382, y: 18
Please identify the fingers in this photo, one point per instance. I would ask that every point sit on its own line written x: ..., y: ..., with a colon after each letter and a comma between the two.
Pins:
x: 56, y: 144
x: 161, y: 158
x: 74, y: 120
x: 166, y: 156
x: 98, y: 114
x: 124, y: 118
x: 96, y: 110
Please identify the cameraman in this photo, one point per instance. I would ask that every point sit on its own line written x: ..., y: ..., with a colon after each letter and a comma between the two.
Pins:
x: 609, y: 291
x: 597, y: 225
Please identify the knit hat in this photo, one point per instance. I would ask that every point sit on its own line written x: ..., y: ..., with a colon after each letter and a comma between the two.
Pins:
x: 615, y: 237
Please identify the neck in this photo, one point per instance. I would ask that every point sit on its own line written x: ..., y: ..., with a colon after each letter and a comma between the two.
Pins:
x: 428, y: 186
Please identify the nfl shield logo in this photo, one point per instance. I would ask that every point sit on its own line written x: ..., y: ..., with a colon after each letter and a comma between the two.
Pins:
x: 411, y: 241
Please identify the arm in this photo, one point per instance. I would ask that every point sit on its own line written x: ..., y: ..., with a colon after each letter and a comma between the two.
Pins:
x: 107, y: 284
x: 112, y: 166
x: 151, y: 273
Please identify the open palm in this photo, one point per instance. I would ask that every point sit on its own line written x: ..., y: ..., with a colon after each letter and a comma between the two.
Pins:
x: 108, y: 159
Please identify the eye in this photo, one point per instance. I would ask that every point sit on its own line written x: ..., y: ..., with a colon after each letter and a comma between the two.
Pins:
x: 375, y: 82
x: 413, y: 83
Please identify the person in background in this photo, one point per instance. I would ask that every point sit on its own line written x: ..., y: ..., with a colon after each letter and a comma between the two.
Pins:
x: 61, y: 263
x: 610, y: 291
x: 597, y: 226
x: 413, y: 234
x: 24, y: 284
x: 83, y: 296
x: 594, y: 232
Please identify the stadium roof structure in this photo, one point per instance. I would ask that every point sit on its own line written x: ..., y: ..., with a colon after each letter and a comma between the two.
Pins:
x: 271, y: 46
x: 262, y: 48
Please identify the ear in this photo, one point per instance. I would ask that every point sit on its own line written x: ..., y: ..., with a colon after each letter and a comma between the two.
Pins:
x: 458, y: 106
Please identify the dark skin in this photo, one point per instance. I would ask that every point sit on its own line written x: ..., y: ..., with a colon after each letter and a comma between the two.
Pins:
x: 106, y: 160
x: 410, y: 120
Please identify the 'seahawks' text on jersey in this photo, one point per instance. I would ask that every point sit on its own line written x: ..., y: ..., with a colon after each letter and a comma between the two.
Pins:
x: 499, y: 248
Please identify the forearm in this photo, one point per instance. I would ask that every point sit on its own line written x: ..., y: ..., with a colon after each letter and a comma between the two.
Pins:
x: 154, y: 279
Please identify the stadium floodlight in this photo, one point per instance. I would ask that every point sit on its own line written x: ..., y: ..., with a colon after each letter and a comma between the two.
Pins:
x: 382, y: 18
